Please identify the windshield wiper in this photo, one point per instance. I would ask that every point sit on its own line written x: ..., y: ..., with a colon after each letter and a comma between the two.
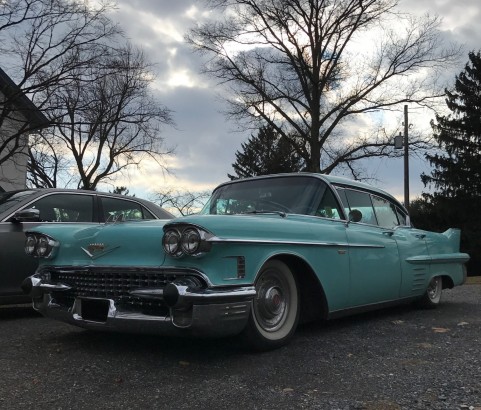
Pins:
x: 260, y: 211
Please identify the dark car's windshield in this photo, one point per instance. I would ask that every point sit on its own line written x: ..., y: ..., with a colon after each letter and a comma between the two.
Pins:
x: 10, y: 198
x: 299, y: 195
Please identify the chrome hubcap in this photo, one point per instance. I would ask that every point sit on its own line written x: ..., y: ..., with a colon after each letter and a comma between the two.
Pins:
x: 433, y: 288
x: 272, y: 302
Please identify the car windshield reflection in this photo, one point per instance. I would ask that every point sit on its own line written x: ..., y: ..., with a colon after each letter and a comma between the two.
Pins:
x: 279, y: 195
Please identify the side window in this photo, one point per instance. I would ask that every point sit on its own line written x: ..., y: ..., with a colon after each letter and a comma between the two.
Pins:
x: 342, y: 194
x: 329, y: 208
x: 361, y: 201
x: 115, y: 208
x: 65, y: 208
x: 385, y: 212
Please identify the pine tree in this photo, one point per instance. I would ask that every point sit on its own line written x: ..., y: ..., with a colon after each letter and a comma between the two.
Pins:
x: 456, y: 177
x: 266, y: 153
x: 457, y: 171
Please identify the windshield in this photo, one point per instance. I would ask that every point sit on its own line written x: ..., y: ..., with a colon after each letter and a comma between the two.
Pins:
x: 11, y: 198
x: 299, y: 195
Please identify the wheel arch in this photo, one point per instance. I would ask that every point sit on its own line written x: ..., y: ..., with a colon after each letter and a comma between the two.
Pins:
x: 313, y: 301
x: 448, y: 282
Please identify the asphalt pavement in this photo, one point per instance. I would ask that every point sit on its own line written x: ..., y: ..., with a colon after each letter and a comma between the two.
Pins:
x: 400, y: 358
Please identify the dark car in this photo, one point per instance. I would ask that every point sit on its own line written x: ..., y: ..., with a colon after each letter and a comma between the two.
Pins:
x: 21, y: 210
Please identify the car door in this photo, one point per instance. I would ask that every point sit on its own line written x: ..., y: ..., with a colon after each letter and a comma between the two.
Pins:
x: 375, y: 271
x: 332, y: 261
x: 54, y: 207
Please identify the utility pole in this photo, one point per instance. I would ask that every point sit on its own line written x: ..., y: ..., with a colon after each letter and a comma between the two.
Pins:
x: 406, y: 158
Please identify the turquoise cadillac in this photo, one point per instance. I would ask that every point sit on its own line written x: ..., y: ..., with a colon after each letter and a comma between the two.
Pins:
x: 264, y: 254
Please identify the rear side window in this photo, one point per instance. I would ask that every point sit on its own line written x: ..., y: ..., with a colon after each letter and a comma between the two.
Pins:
x: 385, y: 212
x: 65, y: 208
x: 374, y: 209
x: 118, y: 209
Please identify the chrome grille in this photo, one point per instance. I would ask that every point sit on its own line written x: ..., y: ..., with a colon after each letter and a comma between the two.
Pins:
x: 113, y: 283
x: 108, y: 284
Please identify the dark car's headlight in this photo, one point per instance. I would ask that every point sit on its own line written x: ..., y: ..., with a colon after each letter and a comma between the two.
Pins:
x: 186, y: 240
x: 40, y: 246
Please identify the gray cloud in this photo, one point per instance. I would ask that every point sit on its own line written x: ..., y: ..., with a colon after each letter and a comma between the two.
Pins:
x: 205, y: 140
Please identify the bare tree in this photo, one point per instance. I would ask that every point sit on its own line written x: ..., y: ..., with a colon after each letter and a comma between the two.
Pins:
x: 105, y: 118
x: 44, y: 42
x: 45, y: 161
x: 308, y: 68
x: 182, y: 202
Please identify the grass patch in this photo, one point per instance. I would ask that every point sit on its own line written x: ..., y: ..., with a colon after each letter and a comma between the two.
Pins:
x: 473, y: 280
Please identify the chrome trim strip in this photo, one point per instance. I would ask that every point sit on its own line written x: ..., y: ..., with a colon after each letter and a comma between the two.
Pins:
x: 440, y: 258
x: 52, y: 286
x: 148, y: 293
x: 100, y: 254
x: 216, y: 239
x: 217, y: 295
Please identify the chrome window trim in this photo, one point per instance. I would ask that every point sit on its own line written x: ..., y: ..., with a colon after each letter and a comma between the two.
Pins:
x: 374, y: 194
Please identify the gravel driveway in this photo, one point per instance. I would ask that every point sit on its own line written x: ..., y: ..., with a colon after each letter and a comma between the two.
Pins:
x: 399, y: 358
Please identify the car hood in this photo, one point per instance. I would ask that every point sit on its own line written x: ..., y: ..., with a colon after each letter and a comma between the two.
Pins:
x: 137, y: 243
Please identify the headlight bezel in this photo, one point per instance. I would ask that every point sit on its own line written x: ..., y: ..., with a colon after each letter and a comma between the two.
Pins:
x: 191, y: 241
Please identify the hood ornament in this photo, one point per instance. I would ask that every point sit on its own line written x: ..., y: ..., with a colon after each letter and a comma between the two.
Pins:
x: 96, y: 250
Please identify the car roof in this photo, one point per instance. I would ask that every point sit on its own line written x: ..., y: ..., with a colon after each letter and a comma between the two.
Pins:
x: 331, y: 180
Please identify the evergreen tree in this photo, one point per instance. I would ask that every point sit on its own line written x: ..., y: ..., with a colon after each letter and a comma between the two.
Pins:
x: 266, y: 153
x: 457, y: 171
x: 456, y: 177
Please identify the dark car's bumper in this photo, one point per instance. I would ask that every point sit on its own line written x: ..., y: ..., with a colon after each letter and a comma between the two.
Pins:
x: 204, y: 311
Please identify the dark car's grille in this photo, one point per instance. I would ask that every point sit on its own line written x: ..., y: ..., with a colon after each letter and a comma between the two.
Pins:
x: 114, y: 284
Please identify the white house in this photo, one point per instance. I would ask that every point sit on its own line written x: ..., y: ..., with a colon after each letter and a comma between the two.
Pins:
x: 17, y: 113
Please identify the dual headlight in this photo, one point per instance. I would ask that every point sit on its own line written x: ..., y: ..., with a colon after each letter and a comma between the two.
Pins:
x: 40, y: 246
x: 186, y: 240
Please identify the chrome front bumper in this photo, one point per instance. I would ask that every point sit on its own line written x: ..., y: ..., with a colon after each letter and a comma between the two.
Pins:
x: 211, y: 312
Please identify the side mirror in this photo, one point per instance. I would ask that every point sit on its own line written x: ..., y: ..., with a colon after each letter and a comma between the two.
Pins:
x: 355, y: 215
x: 27, y: 215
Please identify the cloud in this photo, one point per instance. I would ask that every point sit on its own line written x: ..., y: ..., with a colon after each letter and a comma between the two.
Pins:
x: 205, y: 140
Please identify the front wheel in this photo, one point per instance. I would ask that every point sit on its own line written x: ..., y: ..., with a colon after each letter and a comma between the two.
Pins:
x: 275, y: 309
x: 432, y: 297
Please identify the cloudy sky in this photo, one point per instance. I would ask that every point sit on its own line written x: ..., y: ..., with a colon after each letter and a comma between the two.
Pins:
x: 205, y: 140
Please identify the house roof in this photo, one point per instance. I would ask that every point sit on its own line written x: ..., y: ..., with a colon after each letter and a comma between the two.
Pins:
x: 26, y: 107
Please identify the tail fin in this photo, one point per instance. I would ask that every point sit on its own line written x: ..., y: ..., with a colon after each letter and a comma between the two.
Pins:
x: 454, y: 237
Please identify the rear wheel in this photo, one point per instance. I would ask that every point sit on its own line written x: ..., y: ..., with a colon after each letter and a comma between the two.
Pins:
x: 432, y: 297
x: 275, y: 309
